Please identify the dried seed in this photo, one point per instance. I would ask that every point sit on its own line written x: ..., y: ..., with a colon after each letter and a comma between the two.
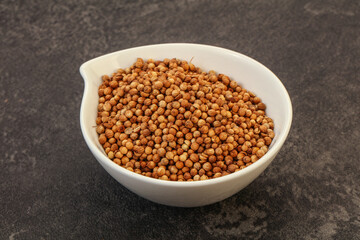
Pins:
x: 169, y: 120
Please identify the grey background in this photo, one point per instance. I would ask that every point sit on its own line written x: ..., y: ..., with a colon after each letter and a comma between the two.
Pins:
x: 51, y: 187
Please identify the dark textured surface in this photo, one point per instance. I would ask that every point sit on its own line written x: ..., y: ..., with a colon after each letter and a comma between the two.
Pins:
x: 51, y: 187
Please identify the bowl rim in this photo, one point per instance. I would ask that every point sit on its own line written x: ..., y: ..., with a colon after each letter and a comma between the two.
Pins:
x: 106, y: 161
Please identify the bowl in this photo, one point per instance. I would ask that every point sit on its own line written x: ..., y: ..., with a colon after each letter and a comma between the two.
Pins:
x: 249, y: 73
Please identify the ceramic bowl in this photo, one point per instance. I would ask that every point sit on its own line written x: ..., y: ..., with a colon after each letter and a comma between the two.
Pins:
x: 249, y: 73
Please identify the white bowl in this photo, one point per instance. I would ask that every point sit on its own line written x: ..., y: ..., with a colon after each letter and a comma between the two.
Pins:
x: 249, y: 73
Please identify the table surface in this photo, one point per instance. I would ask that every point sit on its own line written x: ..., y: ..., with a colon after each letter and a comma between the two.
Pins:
x: 51, y: 186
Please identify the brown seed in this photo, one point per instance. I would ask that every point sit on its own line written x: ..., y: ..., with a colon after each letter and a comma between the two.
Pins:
x: 179, y: 165
x: 175, y: 93
x: 109, y: 133
x: 267, y: 141
x: 151, y: 165
x: 189, y: 163
x: 100, y: 129
x: 123, y: 150
x: 161, y: 152
x: 169, y: 120
x: 189, y: 124
x: 207, y: 166
x: 271, y: 133
x: 161, y: 171
x: 194, y: 157
x: 263, y: 128
x: 261, y: 106
x: 173, y: 169
x: 102, y: 139
x: 158, y: 85
x: 164, y: 177
x: 210, y: 151
x: 204, y: 177
x: 173, y: 177
x: 232, y: 167
x: 195, y: 146
x: 201, y: 122
x: 187, y: 176
x: 129, y: 145
x: 223, y: 136
x: 183, y: 157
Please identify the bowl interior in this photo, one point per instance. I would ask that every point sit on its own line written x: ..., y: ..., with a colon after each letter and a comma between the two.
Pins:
x: 249, y: 73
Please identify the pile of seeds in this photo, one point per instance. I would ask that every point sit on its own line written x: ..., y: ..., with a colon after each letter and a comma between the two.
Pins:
x: 170, y: 120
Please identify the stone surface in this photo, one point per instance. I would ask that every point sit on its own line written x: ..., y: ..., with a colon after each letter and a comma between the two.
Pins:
x: 51, y: 187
